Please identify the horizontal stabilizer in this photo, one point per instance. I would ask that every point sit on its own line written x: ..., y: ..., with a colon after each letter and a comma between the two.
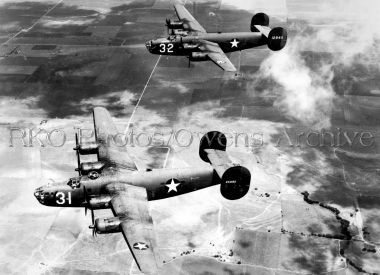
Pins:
x: 263, y: 30
x: 234, y: 179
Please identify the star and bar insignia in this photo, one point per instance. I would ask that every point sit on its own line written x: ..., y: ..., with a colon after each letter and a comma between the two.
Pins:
x: 140, y: 246
x: 234, y: 43
x: 172, y: 184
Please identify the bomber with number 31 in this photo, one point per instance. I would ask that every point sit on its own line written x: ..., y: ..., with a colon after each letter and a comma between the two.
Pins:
x: 117, y: 182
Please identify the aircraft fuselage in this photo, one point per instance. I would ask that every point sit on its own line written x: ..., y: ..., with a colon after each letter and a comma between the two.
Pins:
x: 186, y: 45
x: 160, y: 184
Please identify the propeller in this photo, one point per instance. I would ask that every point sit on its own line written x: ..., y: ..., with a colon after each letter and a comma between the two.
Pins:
x: 92, y: 216
x: 78, y: 156
x: 87, y: 203
x: 168, y: 26
x: 93, y: 227
x: 169, y: 30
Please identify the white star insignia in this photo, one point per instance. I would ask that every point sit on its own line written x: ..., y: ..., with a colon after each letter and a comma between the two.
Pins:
x: 172, y: 186
x: 140, y: 246
x: 221, y: 62
x: 234, y: 43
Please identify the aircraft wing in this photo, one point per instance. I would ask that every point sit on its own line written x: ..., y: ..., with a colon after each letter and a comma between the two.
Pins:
x: 130, y: 204
x: 112, y: 150
x: 189, y: 22
x: 216, y: 54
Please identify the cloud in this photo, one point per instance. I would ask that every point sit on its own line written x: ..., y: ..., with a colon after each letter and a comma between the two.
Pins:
x: 269, y: 6
x: 304, y: 87
x: 120, y: 99
x: 182, y: 89
x: 14, y: 110
x: 10, y: 26
x: 302, y: 94
x: 58, y: 23
x: 346, y: 28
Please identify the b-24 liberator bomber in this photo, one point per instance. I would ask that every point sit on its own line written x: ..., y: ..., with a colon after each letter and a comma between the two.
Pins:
x: 115, y: 181
x: 188, y: 38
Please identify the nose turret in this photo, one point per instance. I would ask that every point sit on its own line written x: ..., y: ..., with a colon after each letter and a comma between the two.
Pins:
x: 61, y: 194
x: 40, y: 194
x: 148, y: 45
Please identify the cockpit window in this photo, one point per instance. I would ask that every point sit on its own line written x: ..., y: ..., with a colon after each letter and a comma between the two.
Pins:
x: 74, y: 182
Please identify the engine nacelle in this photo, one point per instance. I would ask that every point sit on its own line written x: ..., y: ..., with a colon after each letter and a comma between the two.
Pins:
x: 174, y: 25
x: 180, y: 32
x: 277, y: 39
x: 87, y: 167
x: 88, y: 148
x: 259, y: 19
x: 102, y: 202
x: 198, y: 56
x: 107, y: 225
x: 188, y: 46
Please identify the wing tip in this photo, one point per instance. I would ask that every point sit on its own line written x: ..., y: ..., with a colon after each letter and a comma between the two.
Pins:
x: 101, y: 111
x: 100, y: 108
x: 232, y: 70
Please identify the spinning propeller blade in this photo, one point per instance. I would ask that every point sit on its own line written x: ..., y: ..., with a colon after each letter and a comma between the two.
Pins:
x: 168, y: 26
x: 85, y: 200
x: 87, y: 204
x: 92, y: 216
x: 77, y: 152
x: 93, y: 227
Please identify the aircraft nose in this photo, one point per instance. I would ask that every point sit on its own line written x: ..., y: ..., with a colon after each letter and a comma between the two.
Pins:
x: 39, y: 194
x: 148, y: 45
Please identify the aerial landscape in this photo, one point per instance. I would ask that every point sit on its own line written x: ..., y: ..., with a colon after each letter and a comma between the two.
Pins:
x: 303, y: 120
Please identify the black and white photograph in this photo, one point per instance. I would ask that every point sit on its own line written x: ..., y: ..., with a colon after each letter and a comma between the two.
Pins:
x: 190, y: 137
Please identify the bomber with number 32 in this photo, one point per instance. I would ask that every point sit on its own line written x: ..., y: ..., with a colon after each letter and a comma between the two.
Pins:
x: 188, y: 38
